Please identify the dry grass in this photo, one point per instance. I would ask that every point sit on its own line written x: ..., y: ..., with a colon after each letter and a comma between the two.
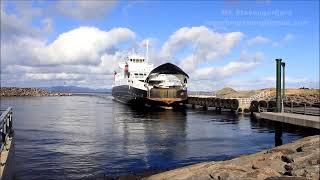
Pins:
x: 272, y: 92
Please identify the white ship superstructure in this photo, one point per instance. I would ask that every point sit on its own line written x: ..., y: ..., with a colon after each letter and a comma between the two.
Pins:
x: 136, y: 81
x: 129, y: 78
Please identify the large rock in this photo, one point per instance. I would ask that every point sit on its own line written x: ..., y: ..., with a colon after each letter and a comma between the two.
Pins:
x: 297, y: 160
x: 16, y: 91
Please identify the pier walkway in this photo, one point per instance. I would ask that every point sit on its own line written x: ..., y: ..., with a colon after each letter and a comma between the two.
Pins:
x: 295, y: 119
x: 7, y: 150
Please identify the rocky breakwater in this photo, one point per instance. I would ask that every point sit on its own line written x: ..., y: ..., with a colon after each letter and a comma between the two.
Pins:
x: 297, y: 160
x: 15, y: 91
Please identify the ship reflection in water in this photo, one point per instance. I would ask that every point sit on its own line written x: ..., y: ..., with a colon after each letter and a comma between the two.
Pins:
x: 152, y: 137
x: 91, y: 136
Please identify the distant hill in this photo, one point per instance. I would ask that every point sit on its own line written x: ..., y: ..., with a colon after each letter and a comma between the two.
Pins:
x: 76, y: 89
x: 226, y: 90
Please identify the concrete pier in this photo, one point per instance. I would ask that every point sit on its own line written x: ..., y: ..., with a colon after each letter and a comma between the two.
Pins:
x: 290, y: 118
x: 7, y: 167
x: 7, y: 150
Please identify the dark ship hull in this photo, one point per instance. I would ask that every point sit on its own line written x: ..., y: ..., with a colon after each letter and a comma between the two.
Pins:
x: 166, y: 97
x: 129, y: 95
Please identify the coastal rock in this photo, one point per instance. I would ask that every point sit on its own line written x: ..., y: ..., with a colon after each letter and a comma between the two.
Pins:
x: 16, y: 91
x: 280, y: 163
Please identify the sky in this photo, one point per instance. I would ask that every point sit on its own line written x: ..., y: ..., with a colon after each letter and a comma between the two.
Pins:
x: 221, y: 43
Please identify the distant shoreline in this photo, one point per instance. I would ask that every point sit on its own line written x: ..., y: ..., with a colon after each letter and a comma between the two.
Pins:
x: 18, y: 91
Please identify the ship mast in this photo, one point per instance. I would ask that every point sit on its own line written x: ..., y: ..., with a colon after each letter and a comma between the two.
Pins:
x: 147, y: 51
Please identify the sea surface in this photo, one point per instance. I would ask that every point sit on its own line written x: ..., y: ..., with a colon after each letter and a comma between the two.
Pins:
x: 91, y: 136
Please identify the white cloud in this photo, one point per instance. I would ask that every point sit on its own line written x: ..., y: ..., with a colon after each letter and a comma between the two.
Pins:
x: 216, y: 77
x: 257, y: 40
x: 85, y: 10
x: 87, y: 56
x: 251, y: 83
x: 25, y: 10
x: 285, y: 39
x: 288, y: 37
x: 57, y: 76
x: 83, y: 45
x: 228, y: 70
x: 13, y: 27
x: 205, y: 44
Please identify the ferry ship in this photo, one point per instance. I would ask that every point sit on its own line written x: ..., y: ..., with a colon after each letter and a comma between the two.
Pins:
x: 136, y: 81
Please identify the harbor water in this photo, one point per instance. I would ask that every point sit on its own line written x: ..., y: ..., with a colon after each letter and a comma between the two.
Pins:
x: 91, y: 136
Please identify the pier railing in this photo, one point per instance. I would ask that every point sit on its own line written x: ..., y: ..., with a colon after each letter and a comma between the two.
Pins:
x: 288, y: 107
x: 5, y: 126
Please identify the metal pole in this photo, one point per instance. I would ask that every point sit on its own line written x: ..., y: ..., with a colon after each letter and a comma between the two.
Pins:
x: 283, y: 64
x: 278, y: 85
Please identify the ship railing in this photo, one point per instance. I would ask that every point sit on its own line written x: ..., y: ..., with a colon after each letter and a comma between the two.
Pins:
x: 5, y: 126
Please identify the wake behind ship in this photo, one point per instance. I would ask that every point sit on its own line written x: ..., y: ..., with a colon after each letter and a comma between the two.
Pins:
x: 136, y: 82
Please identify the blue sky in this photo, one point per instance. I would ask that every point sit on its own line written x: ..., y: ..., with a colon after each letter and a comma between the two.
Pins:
x: 221, y: 43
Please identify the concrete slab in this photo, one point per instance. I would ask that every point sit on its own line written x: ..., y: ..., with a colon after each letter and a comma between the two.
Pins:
x: 296, y: 119
x: 7, y: 160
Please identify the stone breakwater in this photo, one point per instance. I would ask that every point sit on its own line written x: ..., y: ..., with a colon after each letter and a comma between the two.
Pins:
x: 297, y: 160
x: 15, y: 91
